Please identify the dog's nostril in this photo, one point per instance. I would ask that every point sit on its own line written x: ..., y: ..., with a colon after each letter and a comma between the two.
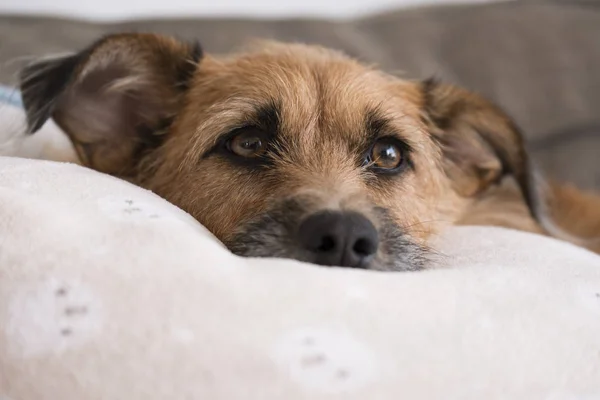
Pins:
x: 327, y: 244
x: 364, y: 247
x: 345, y: 239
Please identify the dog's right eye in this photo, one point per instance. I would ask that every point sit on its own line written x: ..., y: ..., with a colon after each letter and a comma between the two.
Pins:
x: 248, y: 142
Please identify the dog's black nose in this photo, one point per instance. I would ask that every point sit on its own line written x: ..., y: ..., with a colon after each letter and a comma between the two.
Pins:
x: 345, y: 239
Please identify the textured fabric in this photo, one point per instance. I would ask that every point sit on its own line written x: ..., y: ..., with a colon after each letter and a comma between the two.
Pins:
x: 109, y: 292
x: 49, y: 143
x: 538, y: 59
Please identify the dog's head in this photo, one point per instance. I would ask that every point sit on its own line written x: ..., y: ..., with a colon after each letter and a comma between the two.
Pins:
x: 283, y: 150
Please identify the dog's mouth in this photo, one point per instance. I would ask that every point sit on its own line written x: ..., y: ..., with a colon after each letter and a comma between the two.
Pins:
x: 330, y: 238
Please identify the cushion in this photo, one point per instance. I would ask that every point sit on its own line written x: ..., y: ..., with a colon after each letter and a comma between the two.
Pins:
x: 537, y: 58
x: 109, y: 292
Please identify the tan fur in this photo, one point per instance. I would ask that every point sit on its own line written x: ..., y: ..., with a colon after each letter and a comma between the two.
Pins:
x: 575, y: 213
x: 323, y: 97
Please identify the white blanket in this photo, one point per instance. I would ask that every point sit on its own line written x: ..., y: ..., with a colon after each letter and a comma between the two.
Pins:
x: 109, y: 292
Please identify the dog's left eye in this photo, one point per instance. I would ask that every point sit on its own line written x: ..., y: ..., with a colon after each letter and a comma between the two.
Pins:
x: 386, y: 155
x: 248, y: 142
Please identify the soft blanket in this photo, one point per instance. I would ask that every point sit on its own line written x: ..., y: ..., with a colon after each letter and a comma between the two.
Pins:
x: 109, y: 292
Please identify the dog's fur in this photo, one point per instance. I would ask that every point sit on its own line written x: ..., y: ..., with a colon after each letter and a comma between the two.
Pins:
x: 158, y: 112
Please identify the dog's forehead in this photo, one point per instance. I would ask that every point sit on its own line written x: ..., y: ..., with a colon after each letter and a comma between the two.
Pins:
x: 317, y: 95
x: 308, y: 81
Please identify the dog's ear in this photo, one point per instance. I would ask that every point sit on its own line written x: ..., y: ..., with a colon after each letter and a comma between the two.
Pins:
x: 113, y: 99
x: 480, y: 143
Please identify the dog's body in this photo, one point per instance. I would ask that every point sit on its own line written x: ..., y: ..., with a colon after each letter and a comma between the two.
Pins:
x: 297, y: 151
x: 571, y: 214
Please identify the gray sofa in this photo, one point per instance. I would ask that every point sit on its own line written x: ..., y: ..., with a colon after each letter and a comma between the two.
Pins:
x: 540, y: 60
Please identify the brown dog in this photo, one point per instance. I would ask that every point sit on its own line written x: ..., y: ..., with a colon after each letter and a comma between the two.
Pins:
x: 294, y: 151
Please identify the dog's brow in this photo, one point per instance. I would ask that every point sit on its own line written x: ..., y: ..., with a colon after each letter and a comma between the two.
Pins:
x: 376, y: 125
x: 265, y: 116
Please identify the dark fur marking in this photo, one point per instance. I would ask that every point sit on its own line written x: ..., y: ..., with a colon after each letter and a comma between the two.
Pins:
x: 189, y: 66
x: 267, y: 117
x: 41, y: 84
x: 376, y: 125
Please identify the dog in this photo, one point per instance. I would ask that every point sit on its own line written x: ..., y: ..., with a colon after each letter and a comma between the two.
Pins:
x: 298, y: 151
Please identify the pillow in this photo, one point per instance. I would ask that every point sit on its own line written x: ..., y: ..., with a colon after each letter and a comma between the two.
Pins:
x: 109, y: 292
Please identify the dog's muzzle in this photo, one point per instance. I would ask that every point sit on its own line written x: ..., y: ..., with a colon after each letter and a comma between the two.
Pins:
x: 296, y: 229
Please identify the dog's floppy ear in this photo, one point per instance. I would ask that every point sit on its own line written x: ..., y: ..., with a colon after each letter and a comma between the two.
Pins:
x: 480, y: 143
x: 113, y: 99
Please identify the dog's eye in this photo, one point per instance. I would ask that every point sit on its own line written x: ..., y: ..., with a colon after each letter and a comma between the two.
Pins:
x: 248, y: 143
x: 386, y: 154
